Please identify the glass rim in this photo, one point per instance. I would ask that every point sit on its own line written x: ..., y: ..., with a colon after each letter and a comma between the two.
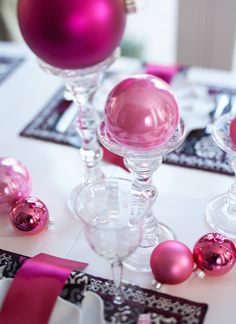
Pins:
x: 107, y: 179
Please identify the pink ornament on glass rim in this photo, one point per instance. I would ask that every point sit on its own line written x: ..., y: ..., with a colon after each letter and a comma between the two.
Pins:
x: 15, y: 182
x: 171, y: 262
x: 214, y: 254
x: 141, y: 112
x: 29, y: 216
x: 232, y: 131
x: 72, y: 34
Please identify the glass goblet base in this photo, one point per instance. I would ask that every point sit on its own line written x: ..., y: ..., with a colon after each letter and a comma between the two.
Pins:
x: 220, y: 217
x: 72, y: 199
x: 139, y: 260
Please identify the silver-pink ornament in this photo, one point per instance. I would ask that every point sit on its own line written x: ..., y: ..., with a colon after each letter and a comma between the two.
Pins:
x: 214, y: 254
x: 141, y: 112
x: 29, y: 215
x: 15, y: 183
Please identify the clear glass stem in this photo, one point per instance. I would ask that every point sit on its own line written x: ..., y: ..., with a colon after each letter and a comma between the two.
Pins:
x: 83, y: 89
x: 81, y: 85
x: 231, y: 201
x: 142, y: 170
x: 117, y: 270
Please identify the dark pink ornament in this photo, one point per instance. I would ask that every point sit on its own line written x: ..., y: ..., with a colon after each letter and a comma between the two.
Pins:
x: 141, y: 112
x: 171, y: 262
x: 232, y: 131
x: 72, y: 34
x: 15, y: 183
x: 214, y: 254
x: 29, y: 216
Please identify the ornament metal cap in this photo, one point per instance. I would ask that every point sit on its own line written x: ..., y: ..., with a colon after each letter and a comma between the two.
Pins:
x: 156, y: 284
x: 133, y: 6
x: 130, y: 6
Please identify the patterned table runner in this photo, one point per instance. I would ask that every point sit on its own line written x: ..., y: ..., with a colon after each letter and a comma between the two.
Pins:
x: 8, y: 65
x: 198, y: 150
x: 163, y: 308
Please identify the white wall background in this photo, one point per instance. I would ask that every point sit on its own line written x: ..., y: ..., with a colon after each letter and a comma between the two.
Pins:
x: 189, y: 32
x: 206, y: 33
x: 155, y: 27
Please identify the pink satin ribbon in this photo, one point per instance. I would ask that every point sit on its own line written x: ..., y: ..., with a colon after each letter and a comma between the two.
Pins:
x: 166, y: 73
x: 35, y: 288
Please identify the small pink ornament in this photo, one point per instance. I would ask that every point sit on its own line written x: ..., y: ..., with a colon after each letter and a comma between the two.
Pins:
x: 232, y: 131
x: 171, y: 262
x: 29, y: 216
x: 72, y: 34
x: 141, y: 112
x: 214, y: 254
x: 15, y: 183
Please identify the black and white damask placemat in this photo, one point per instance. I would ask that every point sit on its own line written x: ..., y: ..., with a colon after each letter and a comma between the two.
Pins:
x: 162, y: 308
x: 198, y: 150
x: 8, y: 65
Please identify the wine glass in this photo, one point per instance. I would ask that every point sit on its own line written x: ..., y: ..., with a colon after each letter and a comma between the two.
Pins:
x: 112, y: 212
x: 221, y: 211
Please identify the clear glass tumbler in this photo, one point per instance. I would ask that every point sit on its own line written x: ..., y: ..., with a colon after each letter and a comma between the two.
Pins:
x: 112, y: 212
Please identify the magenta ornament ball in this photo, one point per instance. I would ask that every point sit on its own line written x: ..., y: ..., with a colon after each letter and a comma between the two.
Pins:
x: 141, y: 112
x: 29, y: 216
x: 15, y: 182
x: 214, y: 254
x: 72, y: 34
x: 171, y: 262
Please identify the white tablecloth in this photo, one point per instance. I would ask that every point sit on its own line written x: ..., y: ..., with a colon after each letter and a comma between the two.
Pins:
x: 56, y: 170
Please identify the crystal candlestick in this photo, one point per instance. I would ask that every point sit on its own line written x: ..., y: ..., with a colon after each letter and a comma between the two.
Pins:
x: 82, y: 85
x: 141, y: 123
x: 142, y: 165
x: 221, y: 211
x: 77, y: 42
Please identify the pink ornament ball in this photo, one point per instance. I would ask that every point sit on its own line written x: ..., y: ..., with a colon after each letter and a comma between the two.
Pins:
x: 15, y: 183
x: 171, y: 262
x: 232, y: 131
x: 141, y: 113
x: 29, y: 216
x: 214, y: 254
x: 72, y: 34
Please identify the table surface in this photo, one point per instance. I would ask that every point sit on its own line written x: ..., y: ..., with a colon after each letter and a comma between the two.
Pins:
x: 56, y: 170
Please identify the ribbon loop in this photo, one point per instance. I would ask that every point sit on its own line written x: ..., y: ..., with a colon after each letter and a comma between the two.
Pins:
x: 33, y: 293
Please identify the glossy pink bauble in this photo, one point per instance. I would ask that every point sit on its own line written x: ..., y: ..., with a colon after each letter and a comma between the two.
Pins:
x: 72, y: 34
x: 141, y: 112
x: 214, y: 254
x: 15, y: 183
x: 29, y: 216
x: 232, y: 131
x: 171, y: 262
